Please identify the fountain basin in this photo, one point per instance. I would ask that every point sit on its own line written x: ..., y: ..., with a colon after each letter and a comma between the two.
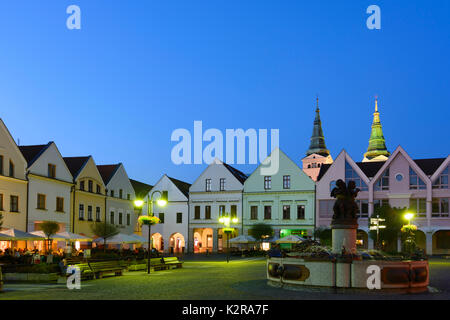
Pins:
x: 413, y: 275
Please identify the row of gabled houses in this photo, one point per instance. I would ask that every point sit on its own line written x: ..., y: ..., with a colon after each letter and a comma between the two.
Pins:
x: 42, y: 185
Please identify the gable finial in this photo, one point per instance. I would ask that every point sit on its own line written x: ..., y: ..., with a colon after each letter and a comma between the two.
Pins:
x: 376, y: 103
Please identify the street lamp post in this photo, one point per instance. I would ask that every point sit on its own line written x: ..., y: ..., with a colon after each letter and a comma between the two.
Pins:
x: 375, y: 225
x: 226, y: 220
x: 162, y: 201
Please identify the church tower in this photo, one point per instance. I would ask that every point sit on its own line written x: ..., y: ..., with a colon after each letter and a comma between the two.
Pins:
x: 317, y: 154
x: 377, y: 150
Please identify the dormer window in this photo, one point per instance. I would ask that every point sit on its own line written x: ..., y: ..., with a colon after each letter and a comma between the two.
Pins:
x: 90, y: 185
x: 208, y: 185
x: 51, y: 171
x: 120, y: 193
x: 267, y: 183
x: 82, y: 185
x: 222, y: 184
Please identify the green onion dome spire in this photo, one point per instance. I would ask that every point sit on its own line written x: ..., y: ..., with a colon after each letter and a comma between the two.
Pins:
x: 377, y: 143
x: 317, y: 145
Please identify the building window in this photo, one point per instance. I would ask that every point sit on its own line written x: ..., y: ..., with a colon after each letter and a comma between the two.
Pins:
x: 98, y: 214
x: 1, y: 165
x: 383, y: 183
x: 326, y: 208
x: 286, y: 182
x: 267, y: 183
x: 1, y: 202
x: 440, y: 207
x: 197, y: 212
x: 89, y: 213
x: 267, y: 212
x: 99, y: 189
x: 82, y: 185
x: 81, y: 212
x: 161, y: 217
x: 51, y: 171
x: 179, y: 217
x: 399, y: 177
x: 415, y: 183
x: 14, y: 204
x: 286, y: 212
x: 120, y: 218
x: 128, y: 219
x: 120, y: 193
x: 363, y: 208
x: 207, y: 212
x: 221, y: 211
x: 254, y: 213
x: 112, y: 193
x: 442, y: 181
x: 332, y: 185
x: 112, y: 217
x: 90, y: 185
x: 128, y: 196
x: 59, y: 204
x: 41, y: 201
x: 418, y: 207
x: 222, y: 184
x: 352, y: 175
x: 233, y: 211
x: 208, y: 185
x: 300, y: 212
x: 11, y: 169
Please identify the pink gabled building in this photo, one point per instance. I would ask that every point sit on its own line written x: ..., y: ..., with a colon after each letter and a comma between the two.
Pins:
x: 421, y: 185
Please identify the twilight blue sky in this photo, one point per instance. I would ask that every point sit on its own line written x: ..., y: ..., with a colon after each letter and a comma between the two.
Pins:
x: 137, y: 70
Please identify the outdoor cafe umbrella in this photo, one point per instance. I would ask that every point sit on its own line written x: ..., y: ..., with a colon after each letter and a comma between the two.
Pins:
x: 242, y: 239
x: 17, y: 235
x: 69, y: 236
x: 290, y: 239
x: 138, y: 237
x: 42, y: 234
x: 118, y: 239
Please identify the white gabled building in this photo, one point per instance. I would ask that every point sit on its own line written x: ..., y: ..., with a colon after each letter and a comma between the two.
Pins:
x: 171, y: 235
x: 120, y: 197
x: 50, y: 183
x: 218, y: 190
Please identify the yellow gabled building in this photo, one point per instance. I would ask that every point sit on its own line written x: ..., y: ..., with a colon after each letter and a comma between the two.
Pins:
x: 88, y: 195
x: 13, y: 182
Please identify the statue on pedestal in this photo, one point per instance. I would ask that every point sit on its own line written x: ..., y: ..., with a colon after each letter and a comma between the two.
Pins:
x: 345, y: 208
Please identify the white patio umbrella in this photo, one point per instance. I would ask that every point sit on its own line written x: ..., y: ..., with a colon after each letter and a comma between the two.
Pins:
x: 139, y: 238
x: 242, y: 239
x: 118, y: 239
x: 17, y: 235
x: 290, y: 239
x: 272, y: 240
x: 69, y: 236
x: 41, y: 233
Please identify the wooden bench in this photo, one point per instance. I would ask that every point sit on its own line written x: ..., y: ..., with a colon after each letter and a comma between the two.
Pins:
x: 100, y: 268
x: 172, y: 262
x: 85, y: 270
x: 157, y: 264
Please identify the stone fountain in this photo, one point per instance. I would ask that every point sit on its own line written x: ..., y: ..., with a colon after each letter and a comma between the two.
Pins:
x: 343, y: 267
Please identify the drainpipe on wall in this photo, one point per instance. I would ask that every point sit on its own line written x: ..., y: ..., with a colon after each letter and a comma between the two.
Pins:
x: 315, y: 211
x: 73, y: 206
x: 189, y: 222
x: 28, y: 201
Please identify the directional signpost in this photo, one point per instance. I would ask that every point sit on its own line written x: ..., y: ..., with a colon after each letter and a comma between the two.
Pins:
x: 375, y: 225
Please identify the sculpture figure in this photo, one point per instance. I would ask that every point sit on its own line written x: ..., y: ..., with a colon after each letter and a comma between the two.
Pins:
x: 345, y: 207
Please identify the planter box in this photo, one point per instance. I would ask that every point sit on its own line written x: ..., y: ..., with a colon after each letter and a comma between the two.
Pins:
x: 30, y: 277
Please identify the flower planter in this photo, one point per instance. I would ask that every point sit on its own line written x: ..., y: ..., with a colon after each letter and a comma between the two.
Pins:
x: 30, y: 277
